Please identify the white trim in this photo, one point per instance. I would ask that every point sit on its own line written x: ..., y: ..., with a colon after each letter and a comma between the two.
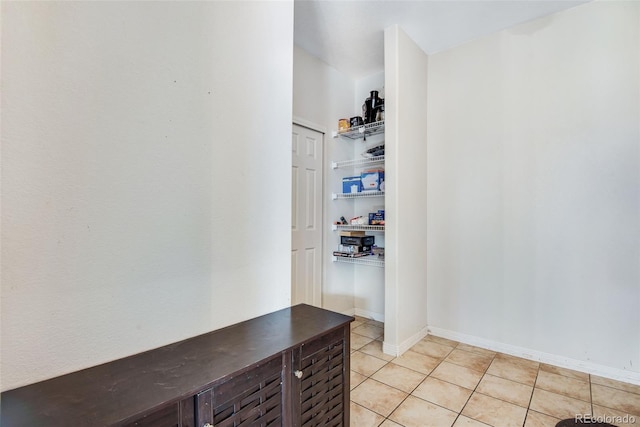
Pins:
x: 363, y: 313
x: 407, y: 344
x: 539, y: 356
x: 390, y: 349
x: 308, y: 124
x: 349, y: 312
x: 369, y: 315
x: 398, y: 350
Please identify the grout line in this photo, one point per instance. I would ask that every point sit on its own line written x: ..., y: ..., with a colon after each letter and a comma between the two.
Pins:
x: 414, y: 389
x: 533, y: 390
x: 591, y: 395
x: 474, y: 390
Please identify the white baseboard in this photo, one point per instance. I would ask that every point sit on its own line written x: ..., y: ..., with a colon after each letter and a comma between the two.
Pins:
x: 538, y: 356
x: 369, y: 314
x: 350, y: 312
x: 398, y: 350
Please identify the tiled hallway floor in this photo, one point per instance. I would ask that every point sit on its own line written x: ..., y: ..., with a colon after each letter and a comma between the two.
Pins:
x: 442, y: 383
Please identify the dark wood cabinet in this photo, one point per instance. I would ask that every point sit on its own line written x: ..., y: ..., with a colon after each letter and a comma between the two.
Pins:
x: 287, y: 368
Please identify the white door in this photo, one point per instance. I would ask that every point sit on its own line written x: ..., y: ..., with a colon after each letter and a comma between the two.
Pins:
x: 306, y: 216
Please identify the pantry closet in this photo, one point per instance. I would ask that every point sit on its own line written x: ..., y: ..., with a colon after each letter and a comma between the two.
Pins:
x: 393, y: 291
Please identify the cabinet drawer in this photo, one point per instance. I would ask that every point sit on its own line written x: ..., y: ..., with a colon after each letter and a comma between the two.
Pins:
x: 252, y: 398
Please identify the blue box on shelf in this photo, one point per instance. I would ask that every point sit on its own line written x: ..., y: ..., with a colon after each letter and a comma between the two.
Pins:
x: 351, y: 184
x: 371, y: 180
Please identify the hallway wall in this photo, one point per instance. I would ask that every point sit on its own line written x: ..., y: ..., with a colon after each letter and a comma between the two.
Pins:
x: 139, y: 141
x: 534, y: 188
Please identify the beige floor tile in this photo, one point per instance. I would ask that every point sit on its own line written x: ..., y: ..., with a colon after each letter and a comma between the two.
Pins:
x: 380, y: 398
x: 376, y: 323
x: 557, y: 405
x: 513, y: 370
x: 475, y: 361
x: 447, y: 395
x: 616, y: 399
x: 416, y: 361
x: 507, y: 390
x: 397, y: 376
x: 494, y: 412
x: 365, y: 364
x: 441, y: 340
x: 415, y: 412
x: 566, y: 386
x: 389, y: 423
x: 536, y: 419
x: 357, y: 323
x: 362, y: 417
x: 356, y: 379
x: 463, y: 421
x: 477, y: 350
x: 564, y: 371
x: 358, y: 341
x: 432, y: 348
x: 613, y: 416
x: 501, y: 396
x: 631, y: 388
x: 456, y: 374
x: 374, y: 348
x: 519, y: 361
x: 368, y: 330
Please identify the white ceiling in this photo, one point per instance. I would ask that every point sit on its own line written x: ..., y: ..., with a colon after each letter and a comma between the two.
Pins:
x: 348, y: 34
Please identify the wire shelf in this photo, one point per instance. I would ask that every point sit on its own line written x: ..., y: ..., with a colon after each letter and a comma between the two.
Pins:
x: 359, y: 195
x: 362, y: 131
x: 358, y: 227
x: 358, y: 162
x: 372, y: 261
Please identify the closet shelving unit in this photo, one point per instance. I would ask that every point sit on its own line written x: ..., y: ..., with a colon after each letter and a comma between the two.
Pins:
x: 360, y: 132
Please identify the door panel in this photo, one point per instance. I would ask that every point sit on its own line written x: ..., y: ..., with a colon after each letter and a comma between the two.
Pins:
x: 306, y: 216
x: 253, y: 398
x: 321, y: 388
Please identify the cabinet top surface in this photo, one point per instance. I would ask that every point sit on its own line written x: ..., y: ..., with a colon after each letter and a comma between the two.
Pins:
x: 112, y: 392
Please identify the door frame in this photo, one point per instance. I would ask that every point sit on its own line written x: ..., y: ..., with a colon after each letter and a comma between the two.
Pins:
x: 297, y: 120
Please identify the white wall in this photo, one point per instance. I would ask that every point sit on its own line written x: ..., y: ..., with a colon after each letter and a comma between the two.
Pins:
x: 321, y: 96
x: 143, y: 195
x: 533, y: 183
x: 406, y: 67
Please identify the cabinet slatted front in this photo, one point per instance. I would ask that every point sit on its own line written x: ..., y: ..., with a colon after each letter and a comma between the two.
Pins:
x: 321, y: 396
x: 287, y: 368
x: 254, y: 398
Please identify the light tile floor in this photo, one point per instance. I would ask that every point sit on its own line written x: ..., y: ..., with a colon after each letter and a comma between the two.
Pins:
x: 442, y: 383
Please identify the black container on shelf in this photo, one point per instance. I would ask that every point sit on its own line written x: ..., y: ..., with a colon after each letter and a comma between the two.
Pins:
x: 371, y: 107
x: 358, y: 240
x: 356, y: 121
